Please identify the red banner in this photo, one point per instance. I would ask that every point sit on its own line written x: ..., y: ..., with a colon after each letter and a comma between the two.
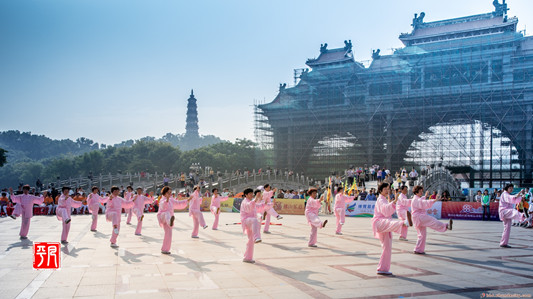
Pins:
x: 467, y: 210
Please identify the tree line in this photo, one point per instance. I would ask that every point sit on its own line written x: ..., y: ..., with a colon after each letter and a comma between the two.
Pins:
x: 143, y: 155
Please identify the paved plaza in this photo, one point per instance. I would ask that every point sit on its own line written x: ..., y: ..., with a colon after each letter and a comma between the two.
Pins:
x: 465, y: 262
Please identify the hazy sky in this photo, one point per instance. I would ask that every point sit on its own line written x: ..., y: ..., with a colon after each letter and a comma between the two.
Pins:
x: 118, y: 70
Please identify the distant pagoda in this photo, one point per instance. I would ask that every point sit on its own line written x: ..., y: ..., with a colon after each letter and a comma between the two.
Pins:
x: 191, y: 128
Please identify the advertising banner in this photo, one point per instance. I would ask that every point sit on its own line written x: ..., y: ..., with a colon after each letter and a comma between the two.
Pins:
x: 289, y: 206
x: 467, y: 210
x: 360, y: 208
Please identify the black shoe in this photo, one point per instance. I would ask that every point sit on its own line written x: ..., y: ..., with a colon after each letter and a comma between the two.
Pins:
x: 324, y: 224
x: 416, y: 252
x: 505, y: 246
x: 450, y: 224
x: 12, y: 216
x: 172, y: 220
x: 67, y: 221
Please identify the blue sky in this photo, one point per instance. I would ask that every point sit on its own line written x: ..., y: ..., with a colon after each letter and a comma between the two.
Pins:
x: 117, y: 70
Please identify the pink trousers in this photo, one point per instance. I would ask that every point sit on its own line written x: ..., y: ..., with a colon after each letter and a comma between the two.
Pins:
x: 315, y: 223
x: 385, y: 228
x: 267, y: 222
x: 214, y: 211
x: 25, y: 227
x: 114, y: 218
x: 424, y: 222
x: 198, y: 220
x: 167, y: 240
x: 66, y: 229
x: 402, y: 215
x: 507, y: 219
x: 139, y: 225
x: 95, y: 219
x: 129, y: 212
x: 253, y: 231
x: 340, y: 215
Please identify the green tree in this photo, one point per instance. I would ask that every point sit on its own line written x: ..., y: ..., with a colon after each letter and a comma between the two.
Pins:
x: 3, y: 157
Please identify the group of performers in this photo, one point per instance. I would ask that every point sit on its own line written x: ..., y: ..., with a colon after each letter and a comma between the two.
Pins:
x: 259, y: 202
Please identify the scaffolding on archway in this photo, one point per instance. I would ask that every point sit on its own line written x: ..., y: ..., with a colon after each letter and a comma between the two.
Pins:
x: 460, y: 94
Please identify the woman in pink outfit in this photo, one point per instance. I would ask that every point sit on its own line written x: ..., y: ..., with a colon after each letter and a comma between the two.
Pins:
x: 128, y: 196
x: 383, y: 226
x: 311, y: 213
x: 65, y: 203
x: 195, y: 212
x: 215, y: 206
x: 24, y: 208
x: 402, y: 207
x: 269, y: 207
x: 165, y: 216
x: 422, y: 220
x: 508, y: 213
x: 93, y: 201
x: 113, y: 212
x: 139, y: 201
x: 249, y: 222
x: 341, y: 200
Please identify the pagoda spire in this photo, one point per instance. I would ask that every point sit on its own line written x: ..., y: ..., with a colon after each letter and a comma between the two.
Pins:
x: 191, y: 127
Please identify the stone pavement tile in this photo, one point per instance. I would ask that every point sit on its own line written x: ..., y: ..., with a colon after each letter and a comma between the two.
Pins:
x: 95, y: 297
x: 99, y: 290
x: 95, y: 280
x: 11, y: 292
x: 245, y: 292
x: 230, y: 283
x: 153, y: 295
x: 64, y: 278
x: 55, y: 292
x: 199, y: 294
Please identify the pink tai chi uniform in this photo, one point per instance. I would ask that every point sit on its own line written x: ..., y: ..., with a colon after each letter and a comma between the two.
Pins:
x: 311, y: 213
x: 63, y: 210
x: 196, y: 213
x: 94, y: 202
x: 383, y: 226
x: 402, y: 206
x: 24, y: 208
x: 139, y: 201
x: 215, y: 208
x: 269, y: 209
x: 164, y: 217
x: 340, y: 209
x: 250, y: 225
x: 421, y: 220
x: 129, y: 211
x: 507, y: 214
x: 113, y: 214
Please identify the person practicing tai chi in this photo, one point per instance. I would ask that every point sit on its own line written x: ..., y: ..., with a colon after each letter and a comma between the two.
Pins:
x: 195, y: 212
x: 165, y: 216
x: 508, y: 213
x: 422, y: 220
x: 24, y: 208
x: 215, y: 206
x: 139, y: 201
x: 93, y: 201
x: 402, y: 207
x: 64, y: 208
x: 250, y: 225
x: 113, y: 212
x: 269, y: 207
x: 127, y: 196
x: 383, y: 226
x: 341, y: 200
x: 311, y: 213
